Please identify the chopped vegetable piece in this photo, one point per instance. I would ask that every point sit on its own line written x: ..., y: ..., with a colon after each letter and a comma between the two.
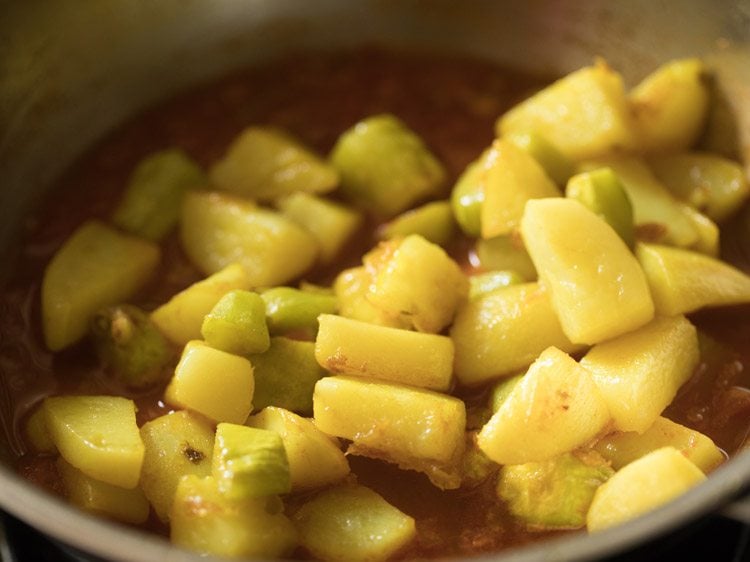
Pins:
x: 485, y: 283
x: 682, y: 281
x: 512, y: 177
x: 602, y: 192
x: 249, y: 462
x: 384, y: 166
x: 352, y: 289
x: 556, y: 407
x: 476, y: 467
x: 502, y: 389
x: 214, y: 383
x: 433, y: 221
x: 130, y: 346
x: 177, y: 444
x: 505, y: 331
x: 721, y: 133
x: 418, y: 281
x: 640, y: 372
x: 708, y: 232
x: 285, y: 375
x: 100, y: 498
x: 218, y: 230
x: 96, y: 267
x: 506, y: 252
x: 204, y: 520
x: 181, y: 318
x: 558, y: 167
x: 150, y: 206
x: 622, y: 448
x: 467, y: 196
x: 584, y: 114
x: 264, y: 164
x: 553, y: 494
x: 289, y: 309
x: 352, y: 347
x: 37, y: 433
x: 237, y: 324
x: 670, y: 106
x: 400, y: 422
x: 98, y: 436
x: 641, y: 486
x: 352, y: 523
x: 332, y: 225
x: 711, y: 184
x: 587, y: 268
x: 315, y: 459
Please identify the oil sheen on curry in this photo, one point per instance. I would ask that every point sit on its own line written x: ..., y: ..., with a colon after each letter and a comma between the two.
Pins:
x: 387, y: 306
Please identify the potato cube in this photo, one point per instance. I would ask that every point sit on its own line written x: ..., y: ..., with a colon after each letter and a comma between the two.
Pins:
x: 596, y: 285
x: 622, y: 448
x: 512, y: 177
x: 217, y: 230
x: 643, y: 485
x: 556, y: 407
x: 214, y: 383
x: 352, y: 523
x: 584, y: 114
x: 237, y: 324
x: 402, y: 422
x: 97, y: 435
x: 505, y: 331
x: 315, y: 459
x: 205, y: 521
x: 683, y: 281
x: 177, y: 444
x: 181, y: 318
x: 419, y: 282
x: 639, y: 373
x: 352, y: 289
x: 357, y: 348
x: 670, y: 106
x: 96, y: 267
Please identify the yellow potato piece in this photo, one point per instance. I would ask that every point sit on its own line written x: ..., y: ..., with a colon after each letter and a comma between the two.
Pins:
x: 683, y: 281
x: 642, y: 486
x: 639, y: 373
x: 357, y: 348
x: 505, y: 331
x: 596, y: 285
x: 584, y: 114
x: 556, y: 407
x: 352, y: 289
x: 214, y: 383
x: 181, y: 318
x: 98, y: 436
x: 670, y: 106
x: 511, y: 177
x: 622, y: 448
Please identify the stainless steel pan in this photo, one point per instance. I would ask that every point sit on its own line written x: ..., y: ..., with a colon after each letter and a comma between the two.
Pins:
x: 71, y: 70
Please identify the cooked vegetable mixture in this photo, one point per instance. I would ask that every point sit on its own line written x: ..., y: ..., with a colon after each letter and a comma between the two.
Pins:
x: 325, y: 309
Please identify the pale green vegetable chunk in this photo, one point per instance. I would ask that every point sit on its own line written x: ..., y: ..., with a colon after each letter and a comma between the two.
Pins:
x: 150, y: 206
x: 333, y: 225
x: 352, y: 523
x: 177, y: 444
x: 100, y: 498
x: 506, y: 253
x: 97, y: 435
x: 263, y: 164
x: 249, y: 462
x: 501, y: 390
x: 96, y: 267
x: 683, y: 281
x: 237, y: 324
x: 485, y: 283
x: 205, y: 520
x: 467, y: 196
x: 433, y: 221
x: 218, y: 230
x: 385, y: 166
x: 601, y: 191
x: 285, y: 375
x: 289, y: 309
x: 315, y: 459
x: 587, y: 268
x: 641, y: 486
x: 553, y: 494
x: 557, y: 166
